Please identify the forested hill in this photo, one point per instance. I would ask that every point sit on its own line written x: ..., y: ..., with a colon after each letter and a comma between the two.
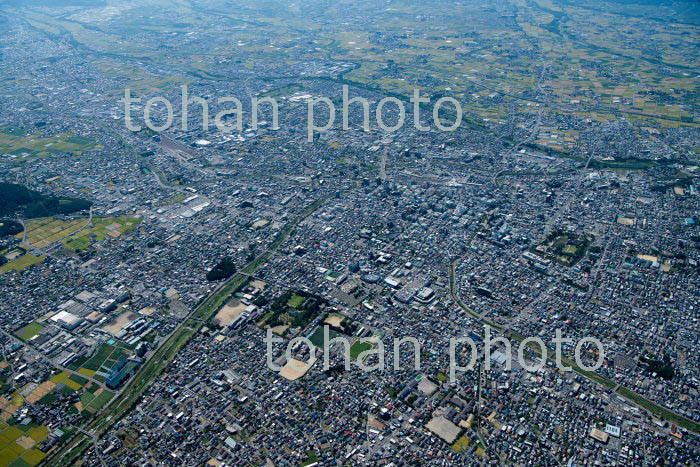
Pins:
x: 17, y: 199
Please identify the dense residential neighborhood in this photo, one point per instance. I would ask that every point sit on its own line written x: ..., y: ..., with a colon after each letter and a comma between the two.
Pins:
x: 142, y: 272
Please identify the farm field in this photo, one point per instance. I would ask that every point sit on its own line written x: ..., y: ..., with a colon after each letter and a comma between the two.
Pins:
x: 22, y: 147
x: 22, y: 263
x: 101, y: 362
x: 18, y: 444
x: 76, y: 234
x: 43, y: 232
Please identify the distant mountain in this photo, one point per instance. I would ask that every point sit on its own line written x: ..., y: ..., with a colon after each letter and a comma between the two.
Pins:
x: 30, y: 204
x: 652, y: 2
x: 54, y: 3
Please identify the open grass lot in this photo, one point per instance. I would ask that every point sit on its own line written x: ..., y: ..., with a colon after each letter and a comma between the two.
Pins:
x: 8, y: 435
x: 311, y: 458
x: 358, y: 347
x: 296, y: 301
x: 284, y: 91
x: 29, y: 331
x: 317, y: 336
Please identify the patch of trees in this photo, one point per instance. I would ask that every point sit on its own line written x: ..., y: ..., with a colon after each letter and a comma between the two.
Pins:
x: 575, y: 285
x: 223, y: 270
x: 346, y: 326
x: 14, y: 196
x: 279, y: 306
x: 51, y: 206
x: 17, y: 198
x: 662, y: 368
x: 335, y: 370
x: 9, y: 227
x: 260, y: 301
x: 296, y: 317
